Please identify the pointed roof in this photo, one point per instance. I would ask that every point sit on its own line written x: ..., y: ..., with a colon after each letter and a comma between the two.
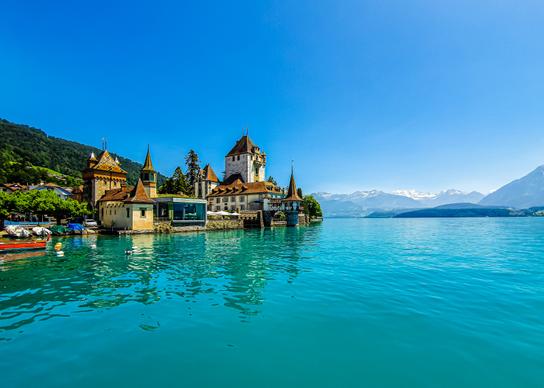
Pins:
x: 292, y: 194
x: 92, y: 157
x: 107, y: 163
x: 243, y: 146
x: 208, y: 174
x: 138, y: 194
x: 148, y: 166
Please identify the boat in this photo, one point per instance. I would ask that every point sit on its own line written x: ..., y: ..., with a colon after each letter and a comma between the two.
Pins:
x: 16, y: 246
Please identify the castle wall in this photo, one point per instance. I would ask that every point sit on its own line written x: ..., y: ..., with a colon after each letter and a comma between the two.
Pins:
x: 239, y: 164
x: 114, y: 215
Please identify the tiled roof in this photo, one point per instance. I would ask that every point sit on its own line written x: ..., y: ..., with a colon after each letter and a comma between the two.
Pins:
x: 238, y: 188
x: 138, y: 194
x: 292, y: 194
x: 232, y: 178
x: 208, y: 174
x: 127, y: 194
x: 148, y: 166
x: 107, y: 163
x: 244, y: 146
x: 119, y: 194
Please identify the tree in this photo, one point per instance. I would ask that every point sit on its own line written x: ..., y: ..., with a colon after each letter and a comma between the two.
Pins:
x: 181, y: 184
x: 40, y: 202
x: 193, y: 170
x: 177, y: 184
x: 312, y: 207
x: 6, y: 205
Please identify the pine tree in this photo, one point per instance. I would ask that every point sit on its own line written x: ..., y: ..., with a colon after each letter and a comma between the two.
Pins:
x: 193, y: 170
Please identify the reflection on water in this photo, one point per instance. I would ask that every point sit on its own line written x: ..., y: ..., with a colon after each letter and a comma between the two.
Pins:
x: 95, y: 273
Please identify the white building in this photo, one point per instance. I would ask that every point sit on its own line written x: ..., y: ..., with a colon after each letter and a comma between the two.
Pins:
x: 245, y: 161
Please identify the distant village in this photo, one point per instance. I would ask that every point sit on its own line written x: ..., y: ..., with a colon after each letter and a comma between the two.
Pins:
x: 243, y: 198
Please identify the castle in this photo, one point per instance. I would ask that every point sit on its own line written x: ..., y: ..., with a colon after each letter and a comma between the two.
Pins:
x: 244, y: 188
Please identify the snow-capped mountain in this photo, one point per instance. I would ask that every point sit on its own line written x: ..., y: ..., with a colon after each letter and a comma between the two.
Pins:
x: 414, y: 194
x: 441, y: 198
x: 361, y: 203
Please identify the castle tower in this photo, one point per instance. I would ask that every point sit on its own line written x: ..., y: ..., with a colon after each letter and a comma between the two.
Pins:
x: 292, y: 202
x: 206, y: 182
x: 102, y: 173
x: 245, y: 161
x: 148, y: 175
x: 92, y: 161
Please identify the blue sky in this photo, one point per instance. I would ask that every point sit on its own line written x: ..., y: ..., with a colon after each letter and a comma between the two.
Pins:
x: 365, y: 94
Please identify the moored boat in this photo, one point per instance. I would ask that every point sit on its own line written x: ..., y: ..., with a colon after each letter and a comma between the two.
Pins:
x: 15, y: 246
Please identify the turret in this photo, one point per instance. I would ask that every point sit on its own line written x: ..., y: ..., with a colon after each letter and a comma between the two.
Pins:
x: 246, y: 161
x: 292, y: 202
x: 148, y: 175
x: 92, y: 161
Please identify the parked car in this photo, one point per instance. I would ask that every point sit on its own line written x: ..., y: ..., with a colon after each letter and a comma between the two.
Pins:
x: 90, y: 223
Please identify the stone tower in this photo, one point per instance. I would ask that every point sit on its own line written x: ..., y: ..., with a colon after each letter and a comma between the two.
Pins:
x: 148, y: 175
x: 246, y: 161
x: 102, y: 173
x: 207, y: 181
x: 292, y: 202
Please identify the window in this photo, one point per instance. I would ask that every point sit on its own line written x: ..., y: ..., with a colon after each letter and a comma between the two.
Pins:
x: 142, y: 212
x: 128, y: 212
x: 242, y: 207
x: 233, y: 158
x: 217, y: 200
x: 233, y: 199
x: 102, y: 210
x: 238, y: 157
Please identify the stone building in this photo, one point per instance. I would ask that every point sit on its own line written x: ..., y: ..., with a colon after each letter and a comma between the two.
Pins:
x: 101, y: 174
x: 245, y: 161
x: 244, y: 188
x: 206, y: 183
x: 126, y: 208
x: 148, y: 175
x: 292, y: 203
x: 240, y: 196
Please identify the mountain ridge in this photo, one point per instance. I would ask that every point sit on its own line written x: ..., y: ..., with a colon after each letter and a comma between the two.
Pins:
x: 32, y: 146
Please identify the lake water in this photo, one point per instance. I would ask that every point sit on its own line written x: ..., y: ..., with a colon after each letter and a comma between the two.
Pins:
x: 368, y: 302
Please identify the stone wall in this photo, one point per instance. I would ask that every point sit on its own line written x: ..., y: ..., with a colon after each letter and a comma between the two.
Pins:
x: 224, y: 224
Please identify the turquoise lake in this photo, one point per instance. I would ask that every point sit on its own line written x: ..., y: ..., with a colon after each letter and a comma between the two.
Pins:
x: 349, y: 302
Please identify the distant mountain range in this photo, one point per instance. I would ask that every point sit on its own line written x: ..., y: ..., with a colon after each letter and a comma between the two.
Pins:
x: 363, y: 203
x: 523, y: 193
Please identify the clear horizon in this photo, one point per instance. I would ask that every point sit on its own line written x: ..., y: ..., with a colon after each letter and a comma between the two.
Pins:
x: 361, y: 95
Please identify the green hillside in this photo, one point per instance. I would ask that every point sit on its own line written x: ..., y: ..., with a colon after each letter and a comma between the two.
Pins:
x: 22, y: 148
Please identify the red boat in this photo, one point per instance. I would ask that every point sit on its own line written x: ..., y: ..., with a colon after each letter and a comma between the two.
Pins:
x: 23, y: 245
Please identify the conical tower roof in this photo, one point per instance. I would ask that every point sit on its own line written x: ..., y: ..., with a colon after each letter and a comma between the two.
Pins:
x: 148, y: 165
x: 292, y: 194
x: 138, y: 194
x: 208, y: 174
x: 92, y: 157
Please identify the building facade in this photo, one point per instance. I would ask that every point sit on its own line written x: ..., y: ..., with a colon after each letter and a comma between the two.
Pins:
x: 245, y: 160
x: 206, y: 183
x: 101, y: 174
x: 148, y: 175
x: 126, y: 209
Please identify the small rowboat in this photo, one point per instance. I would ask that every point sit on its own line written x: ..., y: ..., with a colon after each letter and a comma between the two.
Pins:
x: 23, y: 245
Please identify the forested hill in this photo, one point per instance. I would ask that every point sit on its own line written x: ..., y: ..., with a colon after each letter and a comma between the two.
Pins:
x: 27, y: 146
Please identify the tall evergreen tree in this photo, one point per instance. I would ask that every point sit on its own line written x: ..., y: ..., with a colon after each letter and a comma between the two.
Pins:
x: 193, y: 170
